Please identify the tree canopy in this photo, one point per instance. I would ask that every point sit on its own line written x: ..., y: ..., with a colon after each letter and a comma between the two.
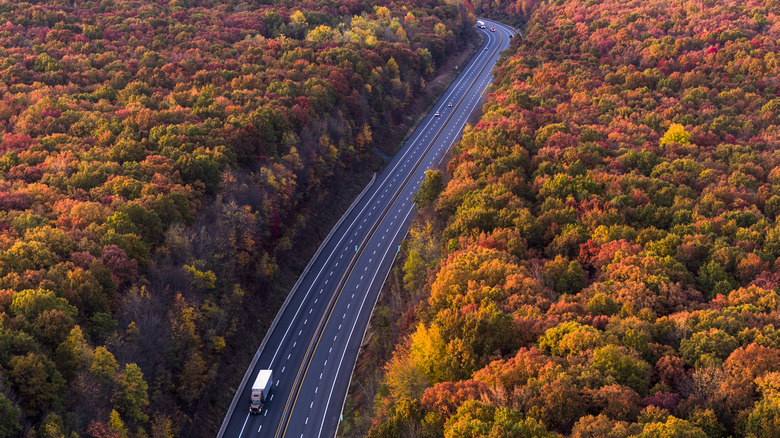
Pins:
x: 605, y: 256
x: 158, y: 163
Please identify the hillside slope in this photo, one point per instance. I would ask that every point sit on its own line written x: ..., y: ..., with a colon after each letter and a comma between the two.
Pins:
x: 603, y: 259
x: 159, y: 165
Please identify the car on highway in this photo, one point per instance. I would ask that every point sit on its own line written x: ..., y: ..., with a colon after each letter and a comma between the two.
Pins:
x: 492, y: 29
x: 450, y: 105
x: 436, y: 115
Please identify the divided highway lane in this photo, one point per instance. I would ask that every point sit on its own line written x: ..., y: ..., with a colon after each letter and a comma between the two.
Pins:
x: 313, y: 343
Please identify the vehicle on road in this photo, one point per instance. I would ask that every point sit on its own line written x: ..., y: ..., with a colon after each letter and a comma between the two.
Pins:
x: 450, y: 105
x: 260, y: 390
x: 481, y: 24
x: 312, y: 358
x: 492, y: 29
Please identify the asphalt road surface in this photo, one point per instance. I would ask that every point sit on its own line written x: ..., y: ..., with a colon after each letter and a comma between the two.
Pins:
x: 314, y: 341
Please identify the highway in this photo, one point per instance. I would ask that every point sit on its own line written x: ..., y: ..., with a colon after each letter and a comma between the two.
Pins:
x: 313, y: 343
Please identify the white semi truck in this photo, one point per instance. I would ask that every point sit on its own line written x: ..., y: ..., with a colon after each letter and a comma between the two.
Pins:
x: 260, y: 389
x: 481, y: 24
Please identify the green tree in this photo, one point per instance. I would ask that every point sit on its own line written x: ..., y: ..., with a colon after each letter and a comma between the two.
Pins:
x: 625, y: 368
x: 704, y: 347
x: 430, y: 188
x: 33, y: 302
x: 273, y: 23
x: 706, y: 420
x: 764, y: 419
x: 713, y: 279
x: 121, y: 223
x: 131, y: 395
x: 404, y: 420
x: 564, y: 276
x: 10, y: 416
x: 45, y: 63
x: 104, y: 365
x: 37, y: 380
x: 73, y: 354
x: 415, y: 271
x: 52, y: 326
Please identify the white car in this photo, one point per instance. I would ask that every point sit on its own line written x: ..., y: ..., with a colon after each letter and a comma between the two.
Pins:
x: 436, y: 115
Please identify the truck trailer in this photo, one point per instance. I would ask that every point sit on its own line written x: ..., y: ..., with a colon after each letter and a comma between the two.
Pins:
x: 260, y: 390
x: 481, y: 24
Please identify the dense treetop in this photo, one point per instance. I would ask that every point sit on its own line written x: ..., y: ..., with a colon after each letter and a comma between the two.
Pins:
x: 156, y: 159
x: 605, y: 257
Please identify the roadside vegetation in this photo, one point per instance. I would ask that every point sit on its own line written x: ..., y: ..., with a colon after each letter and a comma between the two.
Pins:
x: 601, y: 255
x: 159, y: 163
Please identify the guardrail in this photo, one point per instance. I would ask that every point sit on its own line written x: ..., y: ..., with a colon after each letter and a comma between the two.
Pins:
x: 376, y: 299
x: 260, y: 349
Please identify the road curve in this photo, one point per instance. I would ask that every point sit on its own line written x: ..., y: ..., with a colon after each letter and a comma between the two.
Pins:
x: 314, y: 340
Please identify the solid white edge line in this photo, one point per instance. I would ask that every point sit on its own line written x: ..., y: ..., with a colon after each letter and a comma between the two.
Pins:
x: 376, y: 299
x: 363, y: 302
x: 452, y: 90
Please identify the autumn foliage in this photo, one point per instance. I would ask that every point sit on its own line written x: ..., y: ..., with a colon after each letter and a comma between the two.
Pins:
x: 608, y: 240
x: 158, y: 159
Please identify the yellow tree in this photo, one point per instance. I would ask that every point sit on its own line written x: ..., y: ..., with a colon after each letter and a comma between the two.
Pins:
x: 429, y: 351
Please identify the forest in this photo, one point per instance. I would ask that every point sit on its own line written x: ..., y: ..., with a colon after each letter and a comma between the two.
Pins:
x: 158, y: 164
x: 601, y: 255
